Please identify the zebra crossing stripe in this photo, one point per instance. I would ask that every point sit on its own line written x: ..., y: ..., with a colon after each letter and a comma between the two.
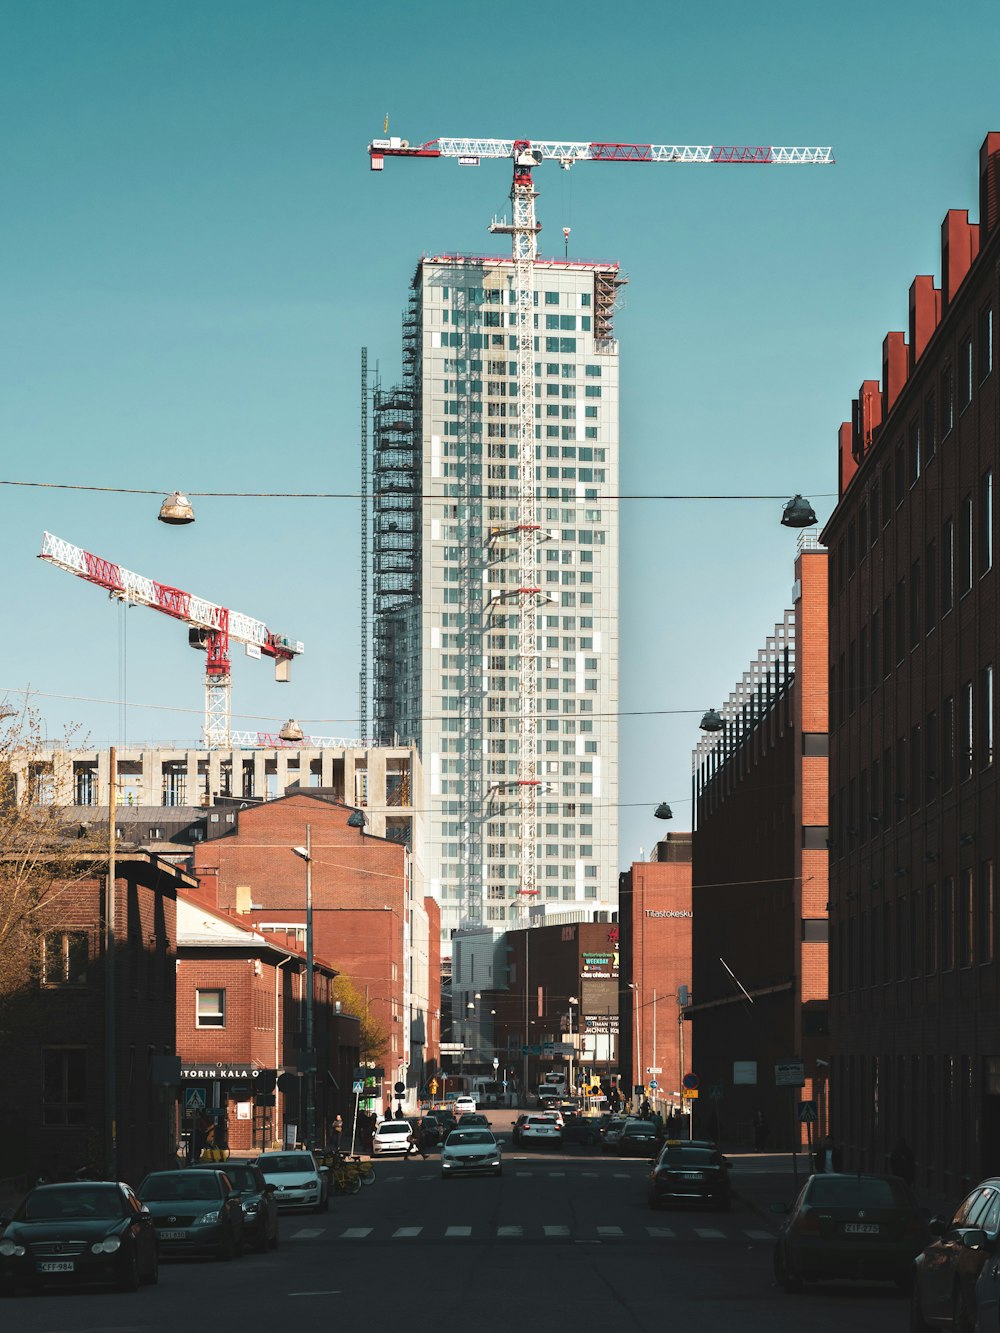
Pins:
x: 458, y: 1231
x: 307, y: 1233
x: 661, y: 1233
x: 557, y: 1175
x: 556, y: 1231
x: 510, y: 1231
x: 760, y: 1235
x: 709, y: 1233
x: 610, y: 1231
x: 355, y: 1233
x: 404, y: 1233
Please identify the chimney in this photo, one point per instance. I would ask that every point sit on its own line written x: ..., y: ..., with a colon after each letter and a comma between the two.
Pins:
x: 989, y: 187
x: 959, y: 247
x: 895, y: 367
x: 847, y: 463
x: 866, y: 418
x: 925, y: 314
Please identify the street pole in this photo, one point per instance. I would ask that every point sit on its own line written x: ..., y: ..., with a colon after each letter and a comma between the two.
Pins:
x: 524, y: 1085
x: 310, y: 1053
x: 110, y: 998
x: 680, y: 1071
x: 656, y: 1098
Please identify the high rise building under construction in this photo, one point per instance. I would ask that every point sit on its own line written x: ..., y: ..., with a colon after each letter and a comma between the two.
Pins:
x: 448, y: 674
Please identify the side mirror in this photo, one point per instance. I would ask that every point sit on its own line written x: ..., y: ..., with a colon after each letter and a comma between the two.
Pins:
x: 974, y: 1238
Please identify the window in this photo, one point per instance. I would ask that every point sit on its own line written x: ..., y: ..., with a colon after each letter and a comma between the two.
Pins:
x: 913, y: 451
x: 64, y: 958
x: 985, y: 342
x: 900, y: 620
x: 985, y: 913
x: 931, y: 929
x: 965, y: 370
x: 900, y: 473
x: 876, y: 648
x: 915, y: 606
x: 64, y: 1085
x: 947, y: 566
x: 963, y: 933
x: 965, y: 550
x: 873, y: 504
x: 986, y: 715
x: 210, y: 1010
x: 948, y: 744
x: 887, y: 637
x: 930, y: 587
x: 985, y: 541
x: 947, y: 401
x: 947, y: 932
x: 966, y: 753
x: 931, y: 757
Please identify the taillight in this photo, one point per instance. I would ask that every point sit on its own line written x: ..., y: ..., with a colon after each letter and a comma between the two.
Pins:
x: 809, y: 1222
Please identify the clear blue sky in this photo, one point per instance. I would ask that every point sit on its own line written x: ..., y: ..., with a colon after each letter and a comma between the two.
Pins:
x: 193, y: 251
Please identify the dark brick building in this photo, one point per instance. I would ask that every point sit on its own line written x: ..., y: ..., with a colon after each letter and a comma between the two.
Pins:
x: 760, y: 887
x: 654, y: 911
x: 913, y: 646
x: 55, y: 1112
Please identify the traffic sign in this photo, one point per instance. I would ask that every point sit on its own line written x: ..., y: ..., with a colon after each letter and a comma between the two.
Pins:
x: 689, y: 1094
x: 690, y: 1080
x: 715, y: 1092
x: 807, y: 1113
x: 790, y: 1074
x: 195, y: 1099
x: 653, y: 1084
x: 531, y: 1050
x: 357, y: 1085
x: 496, y: 1063
x: 654, y: 1069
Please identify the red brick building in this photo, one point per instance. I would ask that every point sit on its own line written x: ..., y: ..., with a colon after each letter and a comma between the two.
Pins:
x: 914, y: 798
x: 654, y: 911
x: 241, y: 1000
x: 368, y: 920
x: 760, y: 886
x: 57, y: 1109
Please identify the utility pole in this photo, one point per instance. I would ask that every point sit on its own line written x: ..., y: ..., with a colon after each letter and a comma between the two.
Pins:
x: 305, y: 853
x: 110, y: 997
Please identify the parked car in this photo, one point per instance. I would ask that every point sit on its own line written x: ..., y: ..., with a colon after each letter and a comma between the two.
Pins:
x: 612, y: 1133
x: 582, y: 1129
x: 464, y: 1103
x: 432, y: 1130
x: 79, y: 1232
x: 470, y: 1118
x: 195, y: 1212
x: 850, y: 1226
x: 690, y: 1173
x: 538, y: 1127
x: 260, y: 1208
x: 298, y: 1179
x: 470, y: 1150
x: 639, y: 1138
x: 954, y: 1281
x: 391, y: 1136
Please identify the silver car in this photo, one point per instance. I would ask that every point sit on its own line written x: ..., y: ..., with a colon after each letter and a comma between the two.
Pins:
x: 468, y: 1151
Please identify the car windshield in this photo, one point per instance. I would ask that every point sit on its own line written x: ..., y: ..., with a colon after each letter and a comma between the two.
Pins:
x: 854, y: 1192
x: 460, y: 1138
x: 641, y: 1127
x: 181, y: 1185
x: 279, y: 1162
x: 54, y: 1202
x: 541, y: 1120
x: 394, y: 1127
x: 243, y: 1178
x: 690, y: 1157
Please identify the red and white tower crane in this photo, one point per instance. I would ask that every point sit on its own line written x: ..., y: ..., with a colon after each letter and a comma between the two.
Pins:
x: 526, y: 154
x: 211, y: 627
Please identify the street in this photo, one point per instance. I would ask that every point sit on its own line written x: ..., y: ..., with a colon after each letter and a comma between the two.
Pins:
x: 562, y: 1237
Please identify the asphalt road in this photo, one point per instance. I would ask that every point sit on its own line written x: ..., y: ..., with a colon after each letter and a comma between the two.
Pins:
x: 562, y: 1239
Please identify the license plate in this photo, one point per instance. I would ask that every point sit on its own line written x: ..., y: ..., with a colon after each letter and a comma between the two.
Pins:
x: 862, y: 1228
x: 63, y: 1266
x: 173, y: 1235
x: 692, y: 1175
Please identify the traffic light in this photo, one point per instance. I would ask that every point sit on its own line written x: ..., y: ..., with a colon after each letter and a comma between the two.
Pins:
x: 265, y: 1081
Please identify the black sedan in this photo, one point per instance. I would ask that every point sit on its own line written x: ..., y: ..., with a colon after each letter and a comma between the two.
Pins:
x: 260, y: 1211
x: 639, y: 1138
x: 850, y: 1226
x: 690, y: 1173
x: 195, y: 1212
x: 79, y: 1232
x: 582, y: 1129
x: 955, y: 1278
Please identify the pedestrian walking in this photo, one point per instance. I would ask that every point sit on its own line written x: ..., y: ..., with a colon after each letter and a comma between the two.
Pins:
x: 828, y: 1156
x: 761, y: 1131
x: 902, y: 1162
x: 337, y: 1137
x: 415, y: 1141
x: 645, y: 1110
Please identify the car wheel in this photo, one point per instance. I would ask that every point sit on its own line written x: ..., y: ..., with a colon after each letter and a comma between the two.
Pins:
x: 273, y: 1243
x: 263, y: 1244
x: 129, y: 1278
x: 959, y: 1318
x: 152, y: 1274
x: 918, y: 1324
x: 786, y: 1280
x: 498, y: 1171
x: 227, y: 1250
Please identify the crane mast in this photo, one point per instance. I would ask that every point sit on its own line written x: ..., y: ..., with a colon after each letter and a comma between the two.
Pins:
x: 211, y: 627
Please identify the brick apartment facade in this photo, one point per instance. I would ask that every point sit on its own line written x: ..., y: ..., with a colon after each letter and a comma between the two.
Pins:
x: 54, y: 1113
x: 241, y: 1002
x: 367, y: 920
x: 655, y: 914
x: 914, y: 805
x: 760, y: 883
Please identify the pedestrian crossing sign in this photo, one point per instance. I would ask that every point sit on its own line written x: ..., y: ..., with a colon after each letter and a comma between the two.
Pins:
x: 194, y: 1099
x: 807, y: 1113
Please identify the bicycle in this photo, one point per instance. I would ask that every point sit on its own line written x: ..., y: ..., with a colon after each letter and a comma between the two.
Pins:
x: 348, y: 1173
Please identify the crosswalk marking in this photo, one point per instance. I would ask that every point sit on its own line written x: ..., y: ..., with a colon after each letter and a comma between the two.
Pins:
x: 355, y: 1233
x: 760, y: 1235
x: 610, y: 1231
x: 458, y: 1231
x: 593, y: 1175
x: 307, y: 1233
x: 405, y: 1232
x: 510, y: 1231
x: 556, y: 1231
x: 621, y: 1175
x: 557, y: 1174
x: 523, y: 1173
x: 661, y: 1233
x: 392, y: 1179
x: 709, y: 1233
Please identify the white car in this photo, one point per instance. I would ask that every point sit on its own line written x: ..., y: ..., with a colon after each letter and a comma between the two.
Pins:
x: 462, y: 1104
x: 391, y: 1136
x: 540, y: 1127
x: 470, y: 1150
x: 298, y: 1180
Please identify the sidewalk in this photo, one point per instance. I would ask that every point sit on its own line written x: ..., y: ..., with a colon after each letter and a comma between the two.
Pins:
x: 763, y: 1179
